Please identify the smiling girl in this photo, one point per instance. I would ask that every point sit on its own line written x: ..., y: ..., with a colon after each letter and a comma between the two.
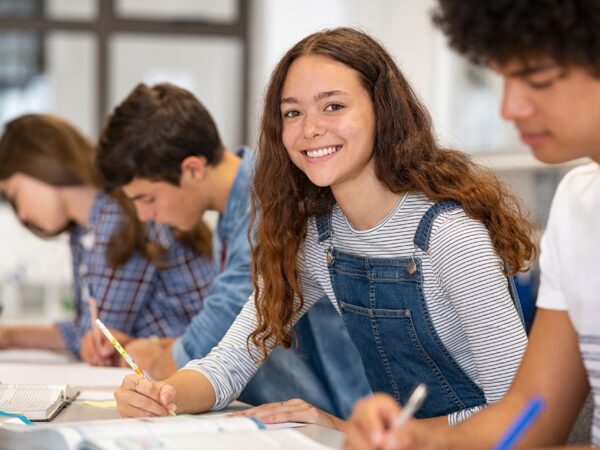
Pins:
x: 412, y: 243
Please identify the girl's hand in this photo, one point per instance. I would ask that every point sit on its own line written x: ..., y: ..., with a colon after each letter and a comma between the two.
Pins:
x: 138, y: 397
x: 370, y: 427
x: 294, y: 410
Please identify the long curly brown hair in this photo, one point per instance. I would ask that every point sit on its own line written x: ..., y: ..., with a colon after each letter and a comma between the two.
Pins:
x: 406, y: 156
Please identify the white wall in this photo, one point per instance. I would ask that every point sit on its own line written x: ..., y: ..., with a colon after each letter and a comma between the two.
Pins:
x: 403, y: 26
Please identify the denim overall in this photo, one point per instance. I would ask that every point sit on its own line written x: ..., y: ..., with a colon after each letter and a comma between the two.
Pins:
x: 383, y: 307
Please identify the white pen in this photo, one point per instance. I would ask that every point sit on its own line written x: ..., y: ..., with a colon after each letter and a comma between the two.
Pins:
x: 413, y: 404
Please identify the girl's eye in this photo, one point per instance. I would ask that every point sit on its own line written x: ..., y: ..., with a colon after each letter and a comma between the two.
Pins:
x: 291, y: 114
x: 333, y: 107
x: 149, y: 200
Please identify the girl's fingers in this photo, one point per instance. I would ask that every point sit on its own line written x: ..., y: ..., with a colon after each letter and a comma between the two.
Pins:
x: 142, y: 397
x: 357, y: 440
x: 270, y: 408
x: 294, y: 410
x: 371, y: 418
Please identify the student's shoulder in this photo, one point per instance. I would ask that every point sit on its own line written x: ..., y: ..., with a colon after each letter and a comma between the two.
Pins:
x: 580, y: 180
x: 455, y: 226
x: 575, y: 200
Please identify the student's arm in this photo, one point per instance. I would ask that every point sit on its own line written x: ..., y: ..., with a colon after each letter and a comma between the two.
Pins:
x: 228, y: 293
x: 31, y: 336
x: 552, y: 367
x: 472, y: 276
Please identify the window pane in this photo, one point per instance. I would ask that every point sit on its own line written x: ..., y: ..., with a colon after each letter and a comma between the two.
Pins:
x: 205, y: 10
x: 72, y: 9
x: 55, y: 74
x: 211, y: 69
x: 52, y: 9
x: 21, y: 8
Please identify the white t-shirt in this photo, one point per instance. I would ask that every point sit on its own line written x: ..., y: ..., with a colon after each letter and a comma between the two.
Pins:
x: 570, y: 264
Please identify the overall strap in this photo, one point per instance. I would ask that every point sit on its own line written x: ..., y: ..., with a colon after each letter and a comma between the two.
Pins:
x: 423, y: 232
x: 324, y: 226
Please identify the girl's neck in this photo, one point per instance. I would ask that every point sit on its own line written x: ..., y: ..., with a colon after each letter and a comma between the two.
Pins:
x: 79, y: 201
x: 366, y: 202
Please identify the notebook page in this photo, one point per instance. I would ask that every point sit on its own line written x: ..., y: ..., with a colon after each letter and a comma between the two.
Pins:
x: 74, y: 374
x: 34, y: 356
x: 251, y: 440
x: 163, y: 426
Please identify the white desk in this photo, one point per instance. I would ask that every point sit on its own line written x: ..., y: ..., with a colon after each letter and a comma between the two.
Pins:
x: 104, y: 378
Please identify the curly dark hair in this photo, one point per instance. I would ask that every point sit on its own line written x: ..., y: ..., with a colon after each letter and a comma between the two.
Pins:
x: 501, y: 30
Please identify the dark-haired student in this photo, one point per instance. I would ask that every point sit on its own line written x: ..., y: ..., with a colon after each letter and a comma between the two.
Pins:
x: 161, y: 146
x: 145, y: 281
x: 548, y: 54
x: 411, y: 243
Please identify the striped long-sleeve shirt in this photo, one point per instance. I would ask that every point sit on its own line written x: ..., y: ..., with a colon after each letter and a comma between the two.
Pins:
x: 464, y: 287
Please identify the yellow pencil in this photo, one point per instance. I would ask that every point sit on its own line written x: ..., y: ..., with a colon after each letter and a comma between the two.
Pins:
x: 123, y: 353
x: 120, y: 348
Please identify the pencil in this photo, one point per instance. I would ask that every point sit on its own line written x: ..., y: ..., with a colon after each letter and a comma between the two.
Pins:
x: 123, y: 353
x: 119, y: 348
x: 521, y: 424
x: 414, y: 402
x: 93, y: 307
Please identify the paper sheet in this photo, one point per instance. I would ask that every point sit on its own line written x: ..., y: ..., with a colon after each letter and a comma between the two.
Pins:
x: 95, y: 395
x: 73, y: 374
x: 32, y: 356
x: 104, y: 404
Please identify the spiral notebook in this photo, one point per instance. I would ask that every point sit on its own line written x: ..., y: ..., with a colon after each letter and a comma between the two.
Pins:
x: 35, y: 401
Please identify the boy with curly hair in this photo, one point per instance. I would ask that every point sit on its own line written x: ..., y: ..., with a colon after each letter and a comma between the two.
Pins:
x: 548, y: 54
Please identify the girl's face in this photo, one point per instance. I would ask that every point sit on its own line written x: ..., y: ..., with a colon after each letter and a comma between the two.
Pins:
x: 328, y: 122
x: 38, y: 205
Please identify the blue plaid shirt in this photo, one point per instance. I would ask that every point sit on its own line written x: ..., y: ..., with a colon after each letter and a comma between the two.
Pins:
x: 137, y: 298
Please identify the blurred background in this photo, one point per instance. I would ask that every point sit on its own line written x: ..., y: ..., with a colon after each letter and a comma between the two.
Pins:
x: 79, y: 58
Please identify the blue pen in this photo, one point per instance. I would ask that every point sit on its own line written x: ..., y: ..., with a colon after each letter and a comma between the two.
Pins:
x: 523, y: 421
x: 22, y: 418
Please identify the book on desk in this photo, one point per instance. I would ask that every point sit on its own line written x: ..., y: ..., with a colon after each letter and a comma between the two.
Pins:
x: 35, y: 401
x: 164, y: 433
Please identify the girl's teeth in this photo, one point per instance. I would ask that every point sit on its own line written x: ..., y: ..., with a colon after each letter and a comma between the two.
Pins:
x: 321, y: 152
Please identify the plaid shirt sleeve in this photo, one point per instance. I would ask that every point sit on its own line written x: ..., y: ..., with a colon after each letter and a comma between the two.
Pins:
x: 137, y: 298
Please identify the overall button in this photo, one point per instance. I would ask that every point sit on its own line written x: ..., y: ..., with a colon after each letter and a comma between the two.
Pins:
x: 330, y: 257
x: 412, y: 267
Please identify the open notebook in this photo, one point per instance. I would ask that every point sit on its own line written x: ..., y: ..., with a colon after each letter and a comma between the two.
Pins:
x: 157, y: 433
x: 35, y: 401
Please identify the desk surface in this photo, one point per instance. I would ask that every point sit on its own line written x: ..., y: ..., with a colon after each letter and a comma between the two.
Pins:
x: 31, y: 367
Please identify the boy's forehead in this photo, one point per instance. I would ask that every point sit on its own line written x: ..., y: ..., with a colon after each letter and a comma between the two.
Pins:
x: 523, y: 66
x: 139, y: 186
